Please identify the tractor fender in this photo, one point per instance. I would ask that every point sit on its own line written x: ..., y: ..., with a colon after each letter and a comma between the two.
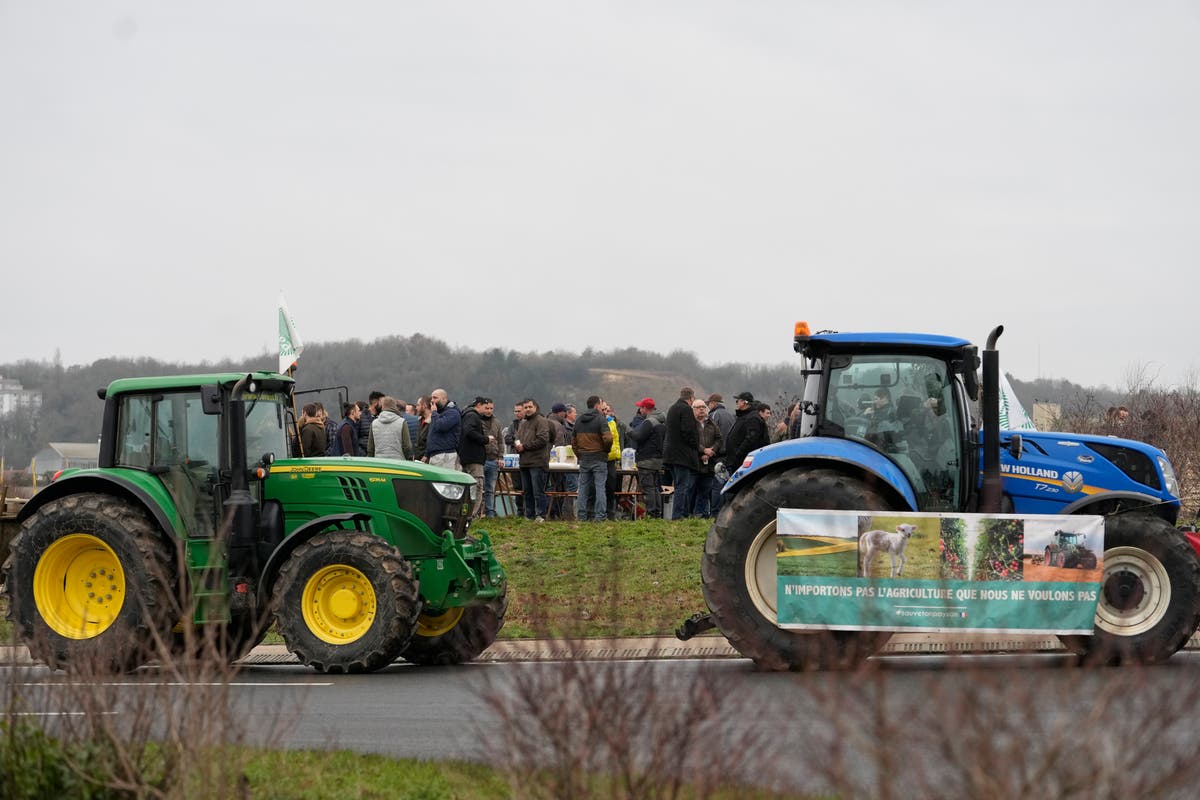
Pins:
x: 816, y: 449
x: 283, y: 550
x: 1153, y: 504
x: 150, y: 494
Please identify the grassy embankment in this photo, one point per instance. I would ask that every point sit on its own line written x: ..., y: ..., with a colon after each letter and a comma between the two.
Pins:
x: 599, y: 579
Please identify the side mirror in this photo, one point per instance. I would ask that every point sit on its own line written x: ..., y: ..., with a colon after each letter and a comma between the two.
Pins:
x: 1016, y: 446
x: 210, y: 399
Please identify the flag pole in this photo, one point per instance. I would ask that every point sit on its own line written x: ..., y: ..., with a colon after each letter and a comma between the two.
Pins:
x: 290, y: 348
x: 291, y: 373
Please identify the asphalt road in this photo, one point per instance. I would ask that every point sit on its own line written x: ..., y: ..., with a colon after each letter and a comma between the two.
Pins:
x: 995, y: 725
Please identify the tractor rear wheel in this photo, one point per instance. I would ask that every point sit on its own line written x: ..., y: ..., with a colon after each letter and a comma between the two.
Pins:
x: 346, y: 601
x: 1149, y: 596
x: 90, y: 585
x: 455, y: 635
x: 739, y: 572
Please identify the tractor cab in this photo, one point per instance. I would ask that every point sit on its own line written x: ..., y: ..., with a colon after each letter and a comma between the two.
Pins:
x: 903, y: 396
x: 186, y: 436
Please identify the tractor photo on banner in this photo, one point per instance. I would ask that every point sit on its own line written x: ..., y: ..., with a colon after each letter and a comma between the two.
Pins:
x: 925, y: 572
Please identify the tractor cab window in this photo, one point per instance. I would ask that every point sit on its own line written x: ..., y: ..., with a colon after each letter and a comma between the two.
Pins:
x: 170, y: 436
x: 134, y: 425
x: 265, y: 431
x: 903, y: 406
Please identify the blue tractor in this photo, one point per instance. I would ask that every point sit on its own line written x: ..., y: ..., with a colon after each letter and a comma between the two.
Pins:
x: 888, y: 422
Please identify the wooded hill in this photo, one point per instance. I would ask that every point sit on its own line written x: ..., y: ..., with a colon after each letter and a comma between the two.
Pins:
x: 407, y: 367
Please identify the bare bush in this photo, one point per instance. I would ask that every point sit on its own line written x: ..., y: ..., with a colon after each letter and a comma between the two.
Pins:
x: 1005, y: 731
x: 1168, y: 418
x: 584, y: 727
x: 166, y: 730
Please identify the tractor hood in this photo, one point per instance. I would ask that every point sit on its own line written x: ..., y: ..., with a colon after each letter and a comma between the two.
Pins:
x: 1067, y: 466
x: 351, y: 465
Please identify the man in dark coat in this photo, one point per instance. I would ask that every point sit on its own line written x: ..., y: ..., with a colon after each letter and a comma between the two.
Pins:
x: 749, y: 432
x: 681, y: 452
x: 445, y: 427
x: 533, y: 442
x: 648, y: 437
x: 591, y: 440
x: 346, y: 441
x: 472, y: 446
x: 312, y: 432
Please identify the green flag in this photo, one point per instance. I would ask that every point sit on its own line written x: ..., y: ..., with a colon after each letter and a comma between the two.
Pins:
x: 290, y: 346
x: 1012, y: 414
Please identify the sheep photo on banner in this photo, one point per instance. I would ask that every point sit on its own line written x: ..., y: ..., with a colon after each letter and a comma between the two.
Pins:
x: 850, y: 570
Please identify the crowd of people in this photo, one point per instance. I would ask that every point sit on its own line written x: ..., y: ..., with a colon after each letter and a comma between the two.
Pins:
x: 691, y: 447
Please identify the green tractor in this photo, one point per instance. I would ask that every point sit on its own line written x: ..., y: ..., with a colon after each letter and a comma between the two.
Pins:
x: 196, y: 528
x: 1069, y: 550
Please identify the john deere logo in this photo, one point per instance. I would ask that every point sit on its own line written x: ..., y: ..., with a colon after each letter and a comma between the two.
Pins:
x: 1072, y: 481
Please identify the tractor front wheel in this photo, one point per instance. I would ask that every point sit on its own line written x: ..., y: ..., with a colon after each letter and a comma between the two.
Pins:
x: 346, y: 601
x: 1149, y: 596
x: 456, y: 635
x: 90, y: 585
x: 738, y: 572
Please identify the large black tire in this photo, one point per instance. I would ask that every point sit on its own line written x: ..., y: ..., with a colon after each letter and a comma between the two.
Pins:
x: 346, y: 601
x: 90, y: 585
x: 1150, y: 596
x: 457, y: 635
x: 738, y: 571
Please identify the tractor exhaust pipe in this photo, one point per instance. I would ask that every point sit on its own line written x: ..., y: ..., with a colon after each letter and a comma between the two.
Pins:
x: 240, y: 506
x: 989, y: 501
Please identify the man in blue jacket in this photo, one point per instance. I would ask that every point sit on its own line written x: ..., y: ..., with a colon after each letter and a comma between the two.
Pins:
x: 441, y: 449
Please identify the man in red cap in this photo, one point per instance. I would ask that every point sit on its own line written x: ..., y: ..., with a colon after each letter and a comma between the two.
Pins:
x: 647, y: 437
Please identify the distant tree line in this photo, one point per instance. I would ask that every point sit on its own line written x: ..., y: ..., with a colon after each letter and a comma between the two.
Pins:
x: 405, y: 367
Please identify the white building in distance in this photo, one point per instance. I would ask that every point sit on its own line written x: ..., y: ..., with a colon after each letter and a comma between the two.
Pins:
x: 14, y: 397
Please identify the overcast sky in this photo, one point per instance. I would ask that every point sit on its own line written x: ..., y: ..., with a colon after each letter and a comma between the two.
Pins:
x: 538, y: 176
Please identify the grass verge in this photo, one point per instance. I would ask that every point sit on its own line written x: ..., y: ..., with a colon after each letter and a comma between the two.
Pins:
x: 559, y: 573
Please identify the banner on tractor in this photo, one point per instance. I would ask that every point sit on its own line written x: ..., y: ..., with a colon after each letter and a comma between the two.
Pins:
x: 938, y: 573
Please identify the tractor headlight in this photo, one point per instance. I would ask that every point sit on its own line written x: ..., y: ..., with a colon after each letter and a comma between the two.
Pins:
x: 450, y: 491
x: 1169, y: 481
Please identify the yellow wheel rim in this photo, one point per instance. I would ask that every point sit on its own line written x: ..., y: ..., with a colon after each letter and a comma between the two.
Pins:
x: 439, y: 623
x: 79, y: 586
x: 339, y: 604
